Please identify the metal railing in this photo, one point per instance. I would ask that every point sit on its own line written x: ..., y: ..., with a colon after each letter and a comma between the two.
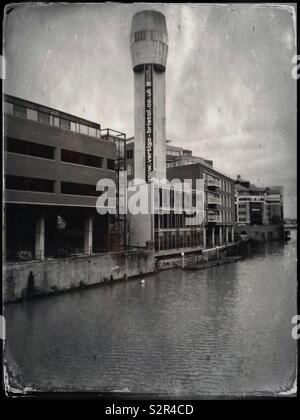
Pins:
x: 210, y: 182
x: 213, y: 218
x: 214, y: 200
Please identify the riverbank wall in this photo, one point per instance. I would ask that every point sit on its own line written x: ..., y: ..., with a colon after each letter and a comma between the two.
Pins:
x: 199, y: 256
x: 24, y: 280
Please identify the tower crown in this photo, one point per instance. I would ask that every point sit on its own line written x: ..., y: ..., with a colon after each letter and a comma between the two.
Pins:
x: 149, y: 40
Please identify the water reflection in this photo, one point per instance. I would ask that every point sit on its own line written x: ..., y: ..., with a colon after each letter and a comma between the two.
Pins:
x: 224, y: 330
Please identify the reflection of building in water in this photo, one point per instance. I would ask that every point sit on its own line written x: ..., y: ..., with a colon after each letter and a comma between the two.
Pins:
x: 53, y: 162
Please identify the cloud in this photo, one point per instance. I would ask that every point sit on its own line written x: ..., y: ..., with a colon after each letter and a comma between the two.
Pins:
x: 230, y: 94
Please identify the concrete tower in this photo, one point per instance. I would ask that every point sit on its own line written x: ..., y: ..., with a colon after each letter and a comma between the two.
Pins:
x: 149, y: 50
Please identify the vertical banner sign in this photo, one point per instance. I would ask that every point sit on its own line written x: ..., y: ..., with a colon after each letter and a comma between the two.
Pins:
x: 148, y: 122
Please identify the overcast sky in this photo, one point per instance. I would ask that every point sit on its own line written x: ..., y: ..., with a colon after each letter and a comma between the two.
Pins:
x: 230, y: 94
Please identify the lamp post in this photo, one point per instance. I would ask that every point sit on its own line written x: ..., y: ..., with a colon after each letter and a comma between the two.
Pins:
x: 182, y: 259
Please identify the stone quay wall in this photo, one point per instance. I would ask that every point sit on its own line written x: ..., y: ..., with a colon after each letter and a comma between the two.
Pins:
x: 23, y: 280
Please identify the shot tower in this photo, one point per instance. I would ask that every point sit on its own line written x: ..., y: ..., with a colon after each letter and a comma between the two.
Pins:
x: 149, y: 50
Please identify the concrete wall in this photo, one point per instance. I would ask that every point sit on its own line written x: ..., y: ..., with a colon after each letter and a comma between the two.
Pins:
x: 27, y: 279
x: 56, y: 170
x: 159, y: 124
x: 153, y: 48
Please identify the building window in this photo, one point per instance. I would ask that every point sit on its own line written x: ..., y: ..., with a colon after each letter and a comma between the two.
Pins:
x: 81, y: 158
x: 29, y: 184
x: 92, y: 132
x: 111, y: 164
x: 65, y: 123
x: 28, y: 148
x: 20, y: 110
x: 56, y: 121
x: 140, y: 36
x: 79, y: 189
x: 44, y: 117
x: 130, y: 170
x: 8, y: 108
x: 83, y: 129
x: 129, y: 154
x: 32, y: 114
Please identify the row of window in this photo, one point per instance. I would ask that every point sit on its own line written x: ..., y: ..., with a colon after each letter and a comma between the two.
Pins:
x: 227, y: 186
x: 28, y: 184
x: 45, y: 185
x: 178, y: 239
x: 184, y: 161
x: 173, y: 152
x: 29, y: 148
x: 40, y: 150
x: 45, y: 118
x: 226, y: 201
x: 221, y: 216
x: 170, y: 198
x: 148, y: 35
x: 248, y: 198
x: 79, y: 189
x: 226, y: 216
x: 242, y: 213
x: 81, y: 158
x: 169, y: 221
x: 166, y: 198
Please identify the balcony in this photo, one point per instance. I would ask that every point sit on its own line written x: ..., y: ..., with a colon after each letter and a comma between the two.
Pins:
x: 213, y: 218
x: 212, y: 183
x: 214, y: 200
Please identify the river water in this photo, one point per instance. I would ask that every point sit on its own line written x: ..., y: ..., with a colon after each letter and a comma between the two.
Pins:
x: 221, y: 331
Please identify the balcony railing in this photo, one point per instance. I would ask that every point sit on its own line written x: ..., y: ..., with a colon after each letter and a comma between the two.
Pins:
x: 212, y: 182
x: 214, y: 200
x: 213, y: 218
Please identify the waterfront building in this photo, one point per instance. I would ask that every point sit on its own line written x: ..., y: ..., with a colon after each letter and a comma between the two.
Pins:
x: 176, y: 153
x: 151, y: 157
x: 53, y: 162
x: 219, y: 210
x: 171, y: 231
x: 258, y: 205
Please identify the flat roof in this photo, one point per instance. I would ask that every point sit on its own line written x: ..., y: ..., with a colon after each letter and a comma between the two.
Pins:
x: 51, y: 111
x: 207, y: 168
